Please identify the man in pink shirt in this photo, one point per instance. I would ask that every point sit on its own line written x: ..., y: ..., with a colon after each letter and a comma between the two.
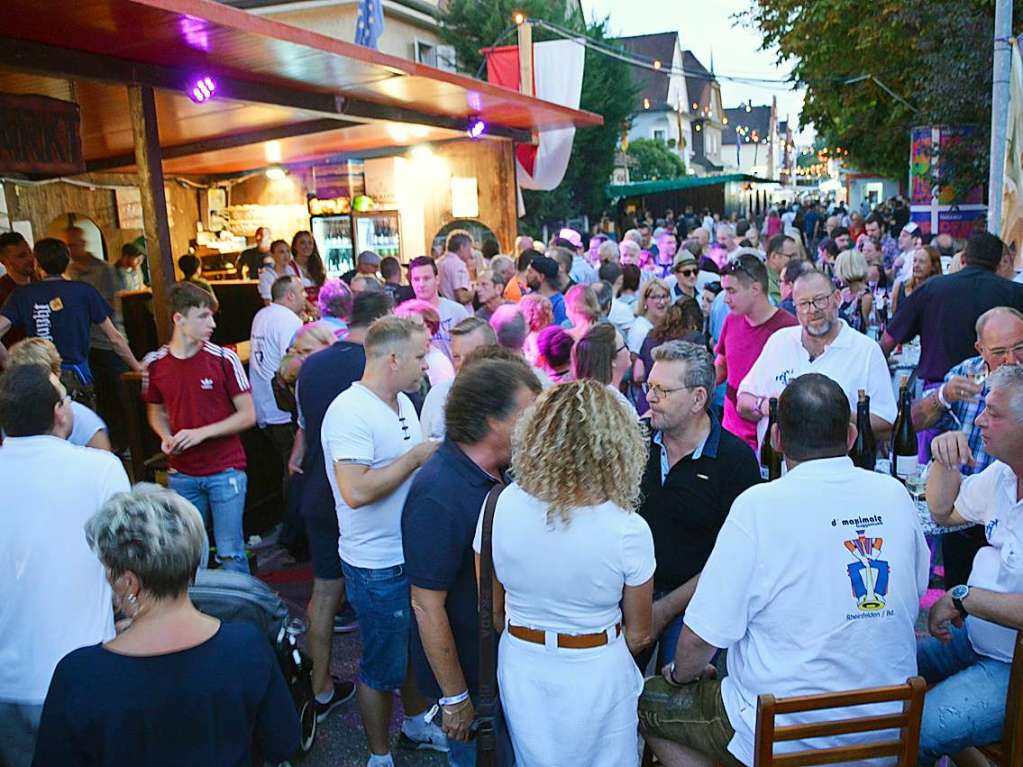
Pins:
x: 751, y: 322
x: 455, y: 284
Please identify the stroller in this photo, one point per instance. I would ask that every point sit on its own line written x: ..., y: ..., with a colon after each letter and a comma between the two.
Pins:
x: 234, y: 597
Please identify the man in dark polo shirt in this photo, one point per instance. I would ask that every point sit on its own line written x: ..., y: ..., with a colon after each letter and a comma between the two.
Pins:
x: 437, y: 528
x: 694, y: 472
x: 944, y: 310
x: 19, y: 269
x: 322, y: 377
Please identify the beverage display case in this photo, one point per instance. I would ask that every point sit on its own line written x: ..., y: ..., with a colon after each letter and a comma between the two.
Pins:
x: 333, y: 235
x: 379, y: 231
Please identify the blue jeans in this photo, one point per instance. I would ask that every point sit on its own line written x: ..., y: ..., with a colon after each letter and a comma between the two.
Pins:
x: 965, y: 702
x: 19, y: 723
x: 382, y: 599
x: 223, y: 494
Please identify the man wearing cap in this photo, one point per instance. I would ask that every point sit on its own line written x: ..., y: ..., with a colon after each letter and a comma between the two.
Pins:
x: 684, y: 271
x: 542, y: 278
x: 910, y: 239
x: 368, y: 263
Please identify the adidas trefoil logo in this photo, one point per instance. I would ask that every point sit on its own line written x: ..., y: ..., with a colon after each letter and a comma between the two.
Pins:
x: 206, y: 384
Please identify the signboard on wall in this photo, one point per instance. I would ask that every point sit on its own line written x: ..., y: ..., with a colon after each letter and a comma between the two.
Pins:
x: 129, y: 207
x: 42, y: 136
x: 935, y: 209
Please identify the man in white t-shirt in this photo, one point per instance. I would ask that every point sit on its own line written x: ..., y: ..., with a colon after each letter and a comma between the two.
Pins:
x: 455, y: 283
x: 468, y: 335
x: 823, y: 343
x: 372, y: 447
x: 55, y: 595
x: 967, y: 665
x: 423, y: 277
x: 273, y: 327
x: 813, y: 586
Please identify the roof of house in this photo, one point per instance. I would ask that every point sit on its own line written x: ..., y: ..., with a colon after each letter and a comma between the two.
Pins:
x: 698, y: 81
x: 639, y: 188
x: 652, y: 84
x: 756, y: 120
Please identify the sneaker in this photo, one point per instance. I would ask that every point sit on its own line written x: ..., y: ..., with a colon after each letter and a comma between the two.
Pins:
x: 430, y: 737
x: 346, y: 621
x: 343, y: 692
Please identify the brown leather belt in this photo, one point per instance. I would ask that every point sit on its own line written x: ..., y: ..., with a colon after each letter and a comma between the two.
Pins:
x: 567, y: 641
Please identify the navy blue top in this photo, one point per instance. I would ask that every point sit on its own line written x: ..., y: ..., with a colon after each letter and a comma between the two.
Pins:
x: 321, y: 378
x: 203, y: 706
x: 63, y: 311
x: 943, y: 311
x: 438, y: 525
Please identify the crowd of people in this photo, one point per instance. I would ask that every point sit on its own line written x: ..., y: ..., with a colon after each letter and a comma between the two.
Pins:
x: 620, y: 391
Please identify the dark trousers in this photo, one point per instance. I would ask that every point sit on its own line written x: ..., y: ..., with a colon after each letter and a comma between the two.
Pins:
x: 957, y: 552
x: 106, y: 369
x: 293, y: 536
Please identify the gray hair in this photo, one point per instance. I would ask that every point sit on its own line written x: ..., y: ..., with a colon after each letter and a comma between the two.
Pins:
x: 990, y: 314
x: 504, y: 266
x: 152, y: 532
x: 699, y: 364
x: 725, y: 228
x: 510, y: 326
x: 495, y: 276
x: 1010, y: 378
x: 608, y: 251
x: 629, y: 247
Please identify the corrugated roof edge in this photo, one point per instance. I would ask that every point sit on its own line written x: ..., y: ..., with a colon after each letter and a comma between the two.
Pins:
x: 638, y: 188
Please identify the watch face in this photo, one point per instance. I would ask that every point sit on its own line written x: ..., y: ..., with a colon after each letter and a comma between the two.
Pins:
x: 958, y: 592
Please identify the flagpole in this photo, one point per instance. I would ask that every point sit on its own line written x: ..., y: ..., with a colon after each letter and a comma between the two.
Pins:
x: 999, y: 112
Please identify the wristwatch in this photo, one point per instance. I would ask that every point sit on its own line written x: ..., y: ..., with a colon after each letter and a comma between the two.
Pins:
x: 958, y: 594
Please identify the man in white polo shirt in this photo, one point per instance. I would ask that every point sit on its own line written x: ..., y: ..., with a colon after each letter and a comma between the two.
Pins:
x: 823, y: 343
x: 423, y: 278
x: 813, y: 586
x: 54, y: 595
x: 967, y: 664
x: 273, y: 327
x: 372, y: 446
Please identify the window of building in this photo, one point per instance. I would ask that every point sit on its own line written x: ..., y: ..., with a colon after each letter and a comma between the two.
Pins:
x: 658, y: 135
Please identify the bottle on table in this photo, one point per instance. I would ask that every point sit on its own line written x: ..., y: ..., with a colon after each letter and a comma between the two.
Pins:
x: 864, y: 449
x: 904, y: 448
x: 770, y: 459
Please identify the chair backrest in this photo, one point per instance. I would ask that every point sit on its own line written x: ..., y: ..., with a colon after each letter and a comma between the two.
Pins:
x: 1012, y: 738
x: 907, y: 722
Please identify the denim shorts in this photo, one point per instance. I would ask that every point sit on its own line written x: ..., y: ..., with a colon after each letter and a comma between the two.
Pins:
x: 381, y: 599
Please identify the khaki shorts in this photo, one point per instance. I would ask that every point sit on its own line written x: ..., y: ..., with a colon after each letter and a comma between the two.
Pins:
x: 692, y: 715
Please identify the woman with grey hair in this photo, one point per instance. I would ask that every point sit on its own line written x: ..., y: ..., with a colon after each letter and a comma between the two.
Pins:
x: 174, y: 686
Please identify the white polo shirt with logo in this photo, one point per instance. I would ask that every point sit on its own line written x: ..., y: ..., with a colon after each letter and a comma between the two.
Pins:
x: 813, y: 586
x: 852, y: 360
x: 273, y: 328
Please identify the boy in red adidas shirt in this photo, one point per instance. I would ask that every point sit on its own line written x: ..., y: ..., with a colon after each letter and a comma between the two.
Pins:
x: 198, y: 401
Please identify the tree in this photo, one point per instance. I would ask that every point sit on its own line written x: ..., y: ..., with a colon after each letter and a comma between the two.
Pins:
x: 470, y: 25
x: 656, y: 160
x: 935, y: 55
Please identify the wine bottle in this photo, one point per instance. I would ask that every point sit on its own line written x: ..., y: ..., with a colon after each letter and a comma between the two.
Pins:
x: 904, y: 447
x: 864, y: 449
x: 770, y: 459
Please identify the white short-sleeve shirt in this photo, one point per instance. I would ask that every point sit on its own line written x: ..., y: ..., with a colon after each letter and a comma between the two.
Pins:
x: 451, y: 313
x: 359, y: 427
x: 853, y: 361
x: 273, y: 327
x: 601, y: 551
x: 813, y: 586
x: 989, y: 499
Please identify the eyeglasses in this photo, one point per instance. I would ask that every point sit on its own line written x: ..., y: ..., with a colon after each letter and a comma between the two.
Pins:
x: 818, y: 302
x: 1015, y: 351
x: 660, y: 392
x: 687, y: 272
x: 656, y: 296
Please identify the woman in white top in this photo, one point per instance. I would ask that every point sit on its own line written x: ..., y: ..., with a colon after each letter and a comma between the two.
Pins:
x: 654, y: 299
x: 570, y: 556
x: 283, y: 264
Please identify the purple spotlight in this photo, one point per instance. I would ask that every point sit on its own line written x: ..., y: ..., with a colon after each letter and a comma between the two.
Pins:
x: 203, y: 90
x: 476, y: 127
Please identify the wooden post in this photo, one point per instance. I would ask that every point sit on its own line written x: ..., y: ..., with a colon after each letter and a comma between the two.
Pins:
x: 526, y: 58
x: 148, y: 161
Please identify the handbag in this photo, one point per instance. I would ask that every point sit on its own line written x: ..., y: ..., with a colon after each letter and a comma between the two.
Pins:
x: 486, y: 708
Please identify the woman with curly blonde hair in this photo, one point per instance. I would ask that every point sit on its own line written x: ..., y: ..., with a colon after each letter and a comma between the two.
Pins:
x: 538, y: 313
x: 573, y: 569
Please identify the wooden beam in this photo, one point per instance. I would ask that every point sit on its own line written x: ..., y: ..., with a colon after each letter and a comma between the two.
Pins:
x: 142, y: 106
x: 225, y: 142
x: 63, y: 62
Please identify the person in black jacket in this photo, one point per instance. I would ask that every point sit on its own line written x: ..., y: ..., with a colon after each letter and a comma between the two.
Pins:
x: 695, y: 470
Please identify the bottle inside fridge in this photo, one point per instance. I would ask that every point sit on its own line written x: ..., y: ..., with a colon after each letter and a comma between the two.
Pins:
x: 333, y: 235
x: 380, y: 233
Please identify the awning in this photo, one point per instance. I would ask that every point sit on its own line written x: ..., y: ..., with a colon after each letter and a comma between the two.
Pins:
x: 270, y: 78
x: 640, y: 188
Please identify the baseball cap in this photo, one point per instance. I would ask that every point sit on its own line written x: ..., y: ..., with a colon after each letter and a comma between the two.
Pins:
x: 572, y: 236
x: 912, y: 229
x: 548, y: 267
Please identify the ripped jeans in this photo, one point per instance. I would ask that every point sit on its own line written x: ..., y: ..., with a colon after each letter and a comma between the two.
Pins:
x: 965, y: 701
x: 223, y: 494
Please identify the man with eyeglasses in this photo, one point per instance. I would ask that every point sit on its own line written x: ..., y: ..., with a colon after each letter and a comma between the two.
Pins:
x: 780, y: 249
x: 747, y: 328
x: 955, y: 405
x: 822, y: 343
x: 695, y: 469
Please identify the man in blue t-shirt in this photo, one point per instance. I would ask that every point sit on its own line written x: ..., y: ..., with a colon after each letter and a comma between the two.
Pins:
x: 437, y: 529
x: 63, y: 311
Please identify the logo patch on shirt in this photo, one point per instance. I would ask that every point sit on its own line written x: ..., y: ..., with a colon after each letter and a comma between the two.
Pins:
x: 56, y: 304
x: 206, y: 384
x: 868, y: 574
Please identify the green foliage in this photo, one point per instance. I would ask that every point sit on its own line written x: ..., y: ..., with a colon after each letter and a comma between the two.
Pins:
x: 656, y: 160
x: 470, y: 25
x: 935, y: 54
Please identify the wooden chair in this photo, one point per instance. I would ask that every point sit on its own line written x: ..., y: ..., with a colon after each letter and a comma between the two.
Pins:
x: 907, y: 722
x: 1009, y: 752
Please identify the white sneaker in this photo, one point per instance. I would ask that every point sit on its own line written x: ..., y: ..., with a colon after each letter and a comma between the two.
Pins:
x: 423, y: 737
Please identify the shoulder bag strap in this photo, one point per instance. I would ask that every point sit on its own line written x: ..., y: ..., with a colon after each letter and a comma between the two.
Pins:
x: 486, y: 706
